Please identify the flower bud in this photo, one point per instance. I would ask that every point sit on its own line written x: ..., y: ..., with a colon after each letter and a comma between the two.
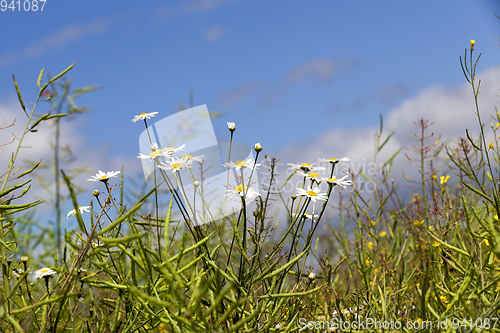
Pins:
x: 312, y: 277
x: 196, y: 183
x: 231, y: 126
x: 257, y: 147
x: 96, y: 193
x: 472, y: 42
x: 294, y: 196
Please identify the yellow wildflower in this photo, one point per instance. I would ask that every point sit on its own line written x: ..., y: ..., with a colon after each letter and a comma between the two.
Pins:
x: 369, y: 245
x: 472, y: 42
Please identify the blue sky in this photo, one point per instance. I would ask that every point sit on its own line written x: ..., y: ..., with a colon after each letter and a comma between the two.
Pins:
x: 288, y: 73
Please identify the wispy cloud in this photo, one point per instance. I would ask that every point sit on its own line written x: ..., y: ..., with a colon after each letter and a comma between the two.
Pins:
x: 192, y: 7
x: 319, y: 70
x: 451, y: 109
x: 230, y: 98
x: 215, y: 33
x: 60, y: 38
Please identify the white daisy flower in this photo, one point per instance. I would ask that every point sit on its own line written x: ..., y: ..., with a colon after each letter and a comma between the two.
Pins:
x: 304, y: 167
x: 198, y: 158
x: 250, y: 192
x: 173, y: 150
x: 44, y: 272
x: 143, y: 116
x: 340, y: 181
x: 314, y: 194
x: 309, y: 216
x: 103, y: 177
x: 242, y: 164
x: 176, y: 164
x: 96, y: 243
x: 311, y: 175
x: 335, y: 160
x: 156, y: 153
x: 84, y: 209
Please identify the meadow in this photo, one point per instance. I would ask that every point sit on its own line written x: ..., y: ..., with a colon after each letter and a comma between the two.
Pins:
x: 425, y: 262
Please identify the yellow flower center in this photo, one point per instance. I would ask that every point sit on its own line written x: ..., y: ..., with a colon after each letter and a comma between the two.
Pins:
x: 331, y: 180
x: 44, y: 271
x: 239, y: 188
x: 176, y: 165
x: 333, y: 159
x: 187, y: 155
x: 312, y: 193
x: 241, y: 163
x: 307, y: 165
x: 142, y: 114
x: 154, y: 154
x: 313, y: 175
x: 104, y: 177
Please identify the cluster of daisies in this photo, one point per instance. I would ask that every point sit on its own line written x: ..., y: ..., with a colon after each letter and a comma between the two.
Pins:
x: 309, y: 172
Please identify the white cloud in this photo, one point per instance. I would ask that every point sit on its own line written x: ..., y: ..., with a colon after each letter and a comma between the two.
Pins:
x: 38, y: 145
x: 215, y: 33
x: 319, y: 69
x: 450, y: 108
x: 60, y: 38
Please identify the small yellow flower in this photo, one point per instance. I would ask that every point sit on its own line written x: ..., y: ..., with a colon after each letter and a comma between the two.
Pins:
x: 431, y: 228
x: 373, y: 223
x: 367, y: 261
x: 418, y: 223
x: 486, y: 242
x: 369, y: 245
x: 472, y: 42
x: 375, y: 271
x: 382, y: 234
x: 444, y: 179
x: 491, y: 145
x: 443, y: 299
x: 436, y: 244
x: 434, y: 176
x: 495, y: 217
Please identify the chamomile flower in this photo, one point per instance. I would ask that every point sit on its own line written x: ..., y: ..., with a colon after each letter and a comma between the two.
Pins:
x: 306, y: 167
x: 335, y: 160
x: 314, y: 194
x: 143, y: 116
x: 156, y: 153
x: 173, y: 150
x: 82, y: 209
x: 198, y: 158
x: 250, y: 192
x: 309, y: 216
x: 340, y: 182
x: 242, y: 164
x: 104, y: 177
x: 231, y: 126
x: 176, y: 164
x: 311, y: 175
x: 44, y: 273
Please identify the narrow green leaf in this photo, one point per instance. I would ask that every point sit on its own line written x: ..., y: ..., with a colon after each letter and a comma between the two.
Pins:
x: 40, y: 78
x: 478, y: 192
x: 29, y: 171
x: 15, y: 187
x: 62, y: 73
x: 19, y: 95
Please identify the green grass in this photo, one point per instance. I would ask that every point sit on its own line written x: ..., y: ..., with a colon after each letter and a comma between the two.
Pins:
x: 430, y: 261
